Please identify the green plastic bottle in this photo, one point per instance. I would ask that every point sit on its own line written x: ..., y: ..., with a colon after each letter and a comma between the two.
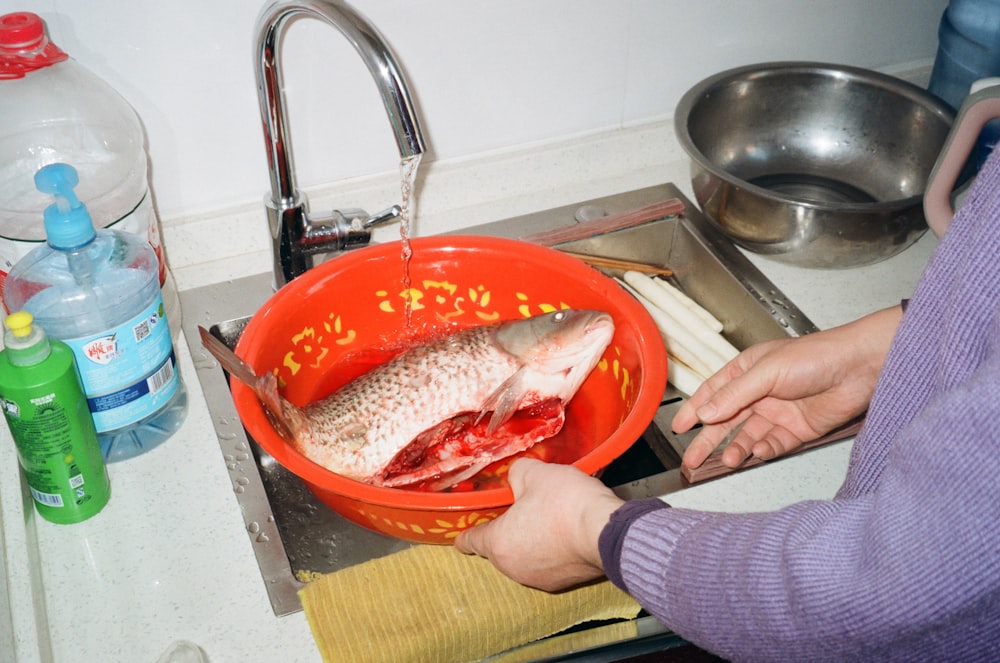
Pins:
x: 53, y: 429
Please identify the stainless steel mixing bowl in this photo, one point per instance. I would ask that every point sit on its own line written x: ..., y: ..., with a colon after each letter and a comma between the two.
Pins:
x: 817, y: 165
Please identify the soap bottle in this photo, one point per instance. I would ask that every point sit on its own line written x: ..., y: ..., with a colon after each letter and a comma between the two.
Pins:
x: 99, y: 292
x: 47, y: 413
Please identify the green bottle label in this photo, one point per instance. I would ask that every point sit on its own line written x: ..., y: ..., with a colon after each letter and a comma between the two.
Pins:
x: 55, y: 437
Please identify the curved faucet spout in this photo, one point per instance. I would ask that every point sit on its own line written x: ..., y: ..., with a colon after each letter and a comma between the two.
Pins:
x: 295, y: 239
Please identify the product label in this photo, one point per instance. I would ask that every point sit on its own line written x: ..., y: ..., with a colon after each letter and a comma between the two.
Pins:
x: 128, y: 373
x: 45, y: 435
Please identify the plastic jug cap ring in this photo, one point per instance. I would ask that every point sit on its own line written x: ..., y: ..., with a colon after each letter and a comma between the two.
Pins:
x: 25, y: 45
x: 21, y: 31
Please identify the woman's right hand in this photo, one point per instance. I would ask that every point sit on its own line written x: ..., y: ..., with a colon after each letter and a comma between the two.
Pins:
x: 781, y: 394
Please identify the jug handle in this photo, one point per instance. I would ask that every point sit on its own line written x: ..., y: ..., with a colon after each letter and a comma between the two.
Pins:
x: 981, y: 106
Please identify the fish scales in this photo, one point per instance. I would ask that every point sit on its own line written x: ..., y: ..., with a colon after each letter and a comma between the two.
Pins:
x: 444, y: 409
x: 357, y: 430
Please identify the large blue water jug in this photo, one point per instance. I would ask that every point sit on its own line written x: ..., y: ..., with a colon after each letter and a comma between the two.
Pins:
x: 968, y: 48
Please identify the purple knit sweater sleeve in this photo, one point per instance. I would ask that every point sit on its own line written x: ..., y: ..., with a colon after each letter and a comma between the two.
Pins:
x: 613, y: 535
x: 904, y: 563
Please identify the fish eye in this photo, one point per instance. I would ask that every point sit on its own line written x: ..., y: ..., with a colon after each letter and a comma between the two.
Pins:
x: 559, y: 316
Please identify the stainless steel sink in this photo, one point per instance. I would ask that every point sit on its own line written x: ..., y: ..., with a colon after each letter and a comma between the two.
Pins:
x: 294, y: 536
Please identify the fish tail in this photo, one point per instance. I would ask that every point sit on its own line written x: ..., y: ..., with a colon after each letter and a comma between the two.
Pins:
x: 236, y: 367
x: 287, y: 419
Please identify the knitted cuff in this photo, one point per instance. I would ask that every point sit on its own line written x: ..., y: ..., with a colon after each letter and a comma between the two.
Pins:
x: 612, y: 537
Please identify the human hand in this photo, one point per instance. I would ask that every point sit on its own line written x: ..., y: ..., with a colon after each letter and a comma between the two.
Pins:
x: 548, y: 537
x: 781, y: 394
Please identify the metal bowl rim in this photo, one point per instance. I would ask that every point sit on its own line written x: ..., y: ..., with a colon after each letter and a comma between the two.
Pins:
x: 697, y: 92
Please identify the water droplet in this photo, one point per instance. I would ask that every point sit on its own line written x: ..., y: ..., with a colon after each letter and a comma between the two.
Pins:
x: 202, y: 360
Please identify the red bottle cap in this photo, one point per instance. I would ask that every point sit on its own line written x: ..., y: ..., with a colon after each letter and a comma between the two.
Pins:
x: 25, y: 46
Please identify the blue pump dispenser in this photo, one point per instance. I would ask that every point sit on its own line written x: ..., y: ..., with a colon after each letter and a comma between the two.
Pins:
x: 68, y: 225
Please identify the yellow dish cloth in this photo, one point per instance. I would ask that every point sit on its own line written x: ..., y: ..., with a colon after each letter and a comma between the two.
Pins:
x: 432, y: 603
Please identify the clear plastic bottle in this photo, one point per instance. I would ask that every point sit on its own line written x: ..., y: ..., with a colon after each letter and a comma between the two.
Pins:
x: 99, y: 292
x: 47, y: 413
x: 53, y: 109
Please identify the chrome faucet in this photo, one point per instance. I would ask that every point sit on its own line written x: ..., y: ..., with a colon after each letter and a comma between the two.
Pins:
x: 296, y: 236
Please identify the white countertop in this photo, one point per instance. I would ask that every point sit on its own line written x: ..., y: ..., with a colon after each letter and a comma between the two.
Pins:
x: 169, y: 558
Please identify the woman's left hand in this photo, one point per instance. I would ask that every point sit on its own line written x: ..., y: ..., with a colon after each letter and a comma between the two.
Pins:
x: 548, y: 537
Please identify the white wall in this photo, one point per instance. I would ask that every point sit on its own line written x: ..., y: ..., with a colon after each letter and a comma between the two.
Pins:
x: 487, y: 75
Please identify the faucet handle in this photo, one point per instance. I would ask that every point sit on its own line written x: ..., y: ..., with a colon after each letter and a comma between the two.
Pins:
x: 343, y: 229
x: 338, y: 231
x: 388, y: 214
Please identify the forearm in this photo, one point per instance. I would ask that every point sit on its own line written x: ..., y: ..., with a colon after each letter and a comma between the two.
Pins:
x: 869, y: 337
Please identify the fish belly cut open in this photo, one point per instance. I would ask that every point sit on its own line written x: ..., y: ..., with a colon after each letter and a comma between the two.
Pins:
x: 461, y: 447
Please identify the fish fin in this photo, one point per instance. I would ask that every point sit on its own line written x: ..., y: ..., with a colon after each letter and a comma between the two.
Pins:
x: 503, y: 402
x: 236, y: 367
x: 447, y: 481
x: 280, y: 427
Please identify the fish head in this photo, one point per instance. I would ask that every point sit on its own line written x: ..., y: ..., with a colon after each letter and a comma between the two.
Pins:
x: 558, y: 349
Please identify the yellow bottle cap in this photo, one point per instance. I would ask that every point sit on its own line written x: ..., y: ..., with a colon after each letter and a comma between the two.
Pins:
x: 24, y: 342
x: 19, y: 323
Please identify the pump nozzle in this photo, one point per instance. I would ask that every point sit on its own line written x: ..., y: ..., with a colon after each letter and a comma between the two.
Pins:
x: 59, y: 180
x: 68, y: 224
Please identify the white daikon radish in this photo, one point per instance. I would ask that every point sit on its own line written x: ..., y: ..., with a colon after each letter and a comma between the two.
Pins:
x: 680, y: 343
x: 710, y: 320
x: 691, y: 323
x: 682, y: 376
